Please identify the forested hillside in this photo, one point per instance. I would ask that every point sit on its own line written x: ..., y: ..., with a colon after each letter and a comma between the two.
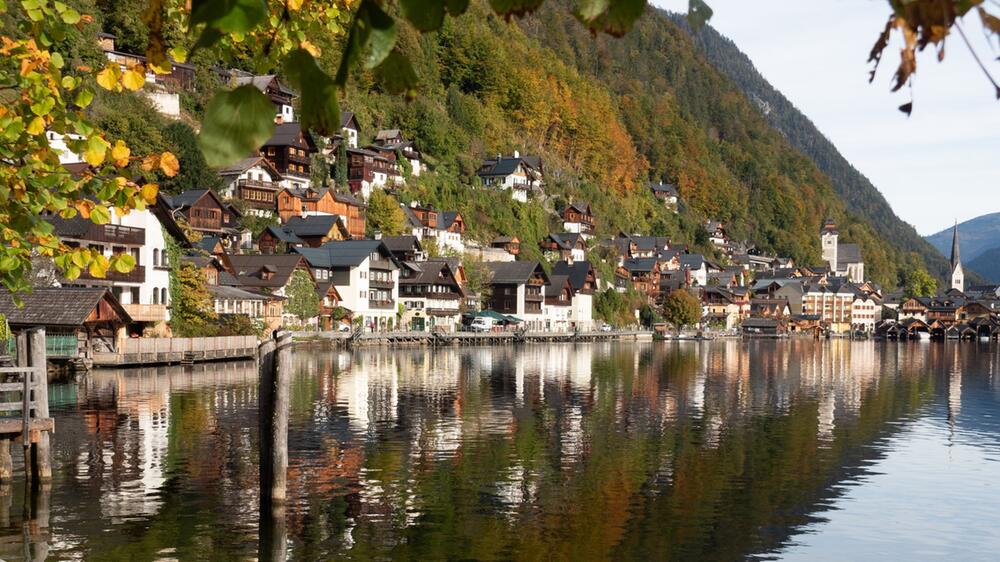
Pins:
x: 861, y: 197
x: 606, y: 115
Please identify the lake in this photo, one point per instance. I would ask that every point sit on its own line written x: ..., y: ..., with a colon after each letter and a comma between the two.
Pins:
x: 724, y: 450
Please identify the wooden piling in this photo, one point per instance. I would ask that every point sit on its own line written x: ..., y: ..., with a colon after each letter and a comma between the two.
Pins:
x: 275, y: 374
x: 40, y: 390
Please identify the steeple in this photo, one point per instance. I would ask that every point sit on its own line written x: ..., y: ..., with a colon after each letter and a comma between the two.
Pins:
x: 957, y: 275
x: 955, y: 257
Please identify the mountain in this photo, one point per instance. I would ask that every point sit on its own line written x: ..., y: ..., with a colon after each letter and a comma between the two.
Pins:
x: 979, y: 239
x: 987, y: 264
x: 861, y: 197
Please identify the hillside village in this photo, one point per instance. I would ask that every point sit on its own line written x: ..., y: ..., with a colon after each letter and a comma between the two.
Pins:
x: 320, y: 263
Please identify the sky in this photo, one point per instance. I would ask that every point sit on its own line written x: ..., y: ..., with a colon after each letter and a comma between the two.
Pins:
x: 941, y: 164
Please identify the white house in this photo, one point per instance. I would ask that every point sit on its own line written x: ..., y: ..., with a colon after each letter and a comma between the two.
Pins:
x: 255, y: 182
x: 366, y: 276
x: 583, y: 281
x: 431, y: 295
x: 519, y: 175
x: 844, y: 259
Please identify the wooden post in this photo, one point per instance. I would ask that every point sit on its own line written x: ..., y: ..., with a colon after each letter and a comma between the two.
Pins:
x: 37, y: 359
x: 283, y: 374
x: 265, y: 412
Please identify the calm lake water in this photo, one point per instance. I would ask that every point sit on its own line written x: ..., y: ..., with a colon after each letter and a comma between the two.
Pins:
x: 724, y: 450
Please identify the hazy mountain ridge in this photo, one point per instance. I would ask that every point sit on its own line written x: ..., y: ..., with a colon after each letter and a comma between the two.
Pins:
x: 980, y: 244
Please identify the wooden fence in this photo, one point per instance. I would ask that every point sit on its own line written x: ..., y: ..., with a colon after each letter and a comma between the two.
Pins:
x: 148, y: 351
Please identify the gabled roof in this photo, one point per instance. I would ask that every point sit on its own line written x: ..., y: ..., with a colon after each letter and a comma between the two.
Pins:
x: 848, y: 254
x: 505, y: 166
x: 556, y: 285
x: 401, y: 244
x: 428, y: 273
x: 283, y: 235
x: 313, y: 225
x: 640, y: 264
x: 387, y: 134
x: 348, y: 120
x: 664, y: 189
x: 580, y: 206
x: 287, y: 134
x: 262, y: 82
x: 187, y: 198
x: 66, y: 307
x: 514, y: 272
x: 576, y: 271
x: 248, y: 269
x: 344, y: 253
x: 247, y: 163
x: 447, y: 218
x: 567, y: 240
x: 692, y: 261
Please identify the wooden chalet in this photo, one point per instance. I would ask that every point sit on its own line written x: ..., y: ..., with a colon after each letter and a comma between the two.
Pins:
x: 509, y: 244
x: 644, y: 274
x: 580, y: 214
x: 205, y: 213
x: 290, y: 151
x: 294, y: 202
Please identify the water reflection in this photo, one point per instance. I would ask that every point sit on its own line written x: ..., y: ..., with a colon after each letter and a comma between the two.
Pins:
x: 724, y: 450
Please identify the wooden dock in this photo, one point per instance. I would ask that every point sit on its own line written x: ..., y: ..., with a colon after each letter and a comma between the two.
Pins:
x: 24, y: 409
x: 166, y: 351
x: 469, y: 338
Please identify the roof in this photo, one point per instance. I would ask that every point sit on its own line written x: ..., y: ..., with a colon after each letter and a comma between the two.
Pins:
x: 580, y: 206
x: 761, y: 323
x: 576, y: 271
x: 247, y: 163
x: 387, y: 134
x: 567, y: 240
x: 848, y: 254
x: 664, y: 189
x: 344, y: 253
x: 235, y: 293
x: 346, y: 117
x: 187, y: 198
x: 248, y: 269
x: 446, y: 219
x: 640, y: 264
x: 504, y: 166
x: 692, y: 261
x: 400, y: 244
x: 556, y: 284
x: 513, y: 272
x: 505, y: 240
x: 312, y: 225
x: 284, y: 236
x: 287, y: 134
x: 66, y: 307
x: 828, y: 227
x: 428, y: 272
x: 262, y: 82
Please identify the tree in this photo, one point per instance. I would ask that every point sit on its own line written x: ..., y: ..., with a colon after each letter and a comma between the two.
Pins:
x: 917, y: 282
x: 681, y: 308
x: 192, y: 313
x: 385, y: 215
x: 341, y: 165
x: 648, y: 316
x: 303, y: 301
x: 194, y: 171
x: 478, y: 278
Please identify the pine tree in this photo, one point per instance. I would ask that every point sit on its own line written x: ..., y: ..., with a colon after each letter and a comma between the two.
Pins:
x: 340, y: 167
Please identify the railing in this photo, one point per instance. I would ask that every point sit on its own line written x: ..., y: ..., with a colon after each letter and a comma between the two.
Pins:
x: 114, y: 234
x: 380, y: 284
x: 147, y: 312
x: 137, y: 275
x: 385, y: 305
x: 138, y: 351
x: 257, y: 184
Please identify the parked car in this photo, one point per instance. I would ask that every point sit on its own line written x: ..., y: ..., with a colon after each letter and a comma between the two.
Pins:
x: 606, y: 328
x: 343, y: 328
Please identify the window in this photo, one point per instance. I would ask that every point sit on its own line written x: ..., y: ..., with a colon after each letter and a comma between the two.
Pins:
x: 134, y: 295
x: 156, y: 257
x: 163, y: 296
x: 156, y: 296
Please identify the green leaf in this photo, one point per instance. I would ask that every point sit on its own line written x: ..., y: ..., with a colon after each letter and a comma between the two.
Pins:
x: 590, y: 9
x: 9, y: 263
x: 698, y: 13
x: 515, y: 7
x: 425, y: 15
x: 100, y: 215
x: 381, y: 36
x: 122, y: 263
x: 236, y: 123
x: 319, y: 108
x: 71, y: 17
x: 84, y: 97
x: 396, y: 74
x: 617, y: 19
x: 456, y: 7
x: 228, y: 16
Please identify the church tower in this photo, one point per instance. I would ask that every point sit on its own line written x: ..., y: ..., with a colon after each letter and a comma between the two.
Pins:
x: 828, y: 240
x: 957, y: 275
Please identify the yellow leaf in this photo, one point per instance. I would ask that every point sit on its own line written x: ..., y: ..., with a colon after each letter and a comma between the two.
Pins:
x: 294, y: 5
x: 150, y: 162
x: 149, y: 191
x: 108, y: 78
x: 36, y: 127
x: 134, y: 77
x: 169, y: 164
x: 95, y: 151
x: 99, y: 266
x: 84, y: 207
x: 310, y: 48
x: 120, y: 153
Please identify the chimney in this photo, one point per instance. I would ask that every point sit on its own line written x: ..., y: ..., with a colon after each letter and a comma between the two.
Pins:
x: 378, y: 235
x: 517, y: 154
x: 278, y: 119
x: 499, y: 156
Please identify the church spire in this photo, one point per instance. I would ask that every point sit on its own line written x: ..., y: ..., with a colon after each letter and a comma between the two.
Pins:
x: 955, y: 257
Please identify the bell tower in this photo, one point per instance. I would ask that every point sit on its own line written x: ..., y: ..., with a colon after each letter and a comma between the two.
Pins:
x: 957, y: 275
x: 828, y: 240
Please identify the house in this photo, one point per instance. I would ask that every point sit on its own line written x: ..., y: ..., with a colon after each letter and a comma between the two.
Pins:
x: 369, y: 169
x: 304, y: 202
x: 405, y: 248
x: 644, y: 273
x: 365, y: 274
x: 290, y: 151
x: 509, y: 244
x: 259, y: 306
x: 255, y: 182
x: 432, y: 296
x: 866, y: 311
x: 695, y: 268
x: 522, y: 176
x: 78, y: 321
x: 144, y: 291
x: 770, y: 308
x: 835, y: 303
x: 844, y: 259
x: 578, y: 218
x: 716, y: 233
x: 270, y: 86
x: 162, y: 90
x: 583, y: 282
x: 393, y: 139
x: 349, y: 128
x: 451, y: 229
x: 265, y: 274
x: 666, y: 193
x: 564, y: 246
x: 558, y: 303
x: 315, y: 230
x: 517, y: 289
x: 205, y: 213
x: 725, y: 306
x: 763, y: 327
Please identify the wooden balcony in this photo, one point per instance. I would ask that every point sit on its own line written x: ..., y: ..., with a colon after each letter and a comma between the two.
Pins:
x: 376, y: 284
x: 137, y: 275
x: 257, y: 184
x: 114, y: 234
x: 147, y: 312
x: 383, y: 305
